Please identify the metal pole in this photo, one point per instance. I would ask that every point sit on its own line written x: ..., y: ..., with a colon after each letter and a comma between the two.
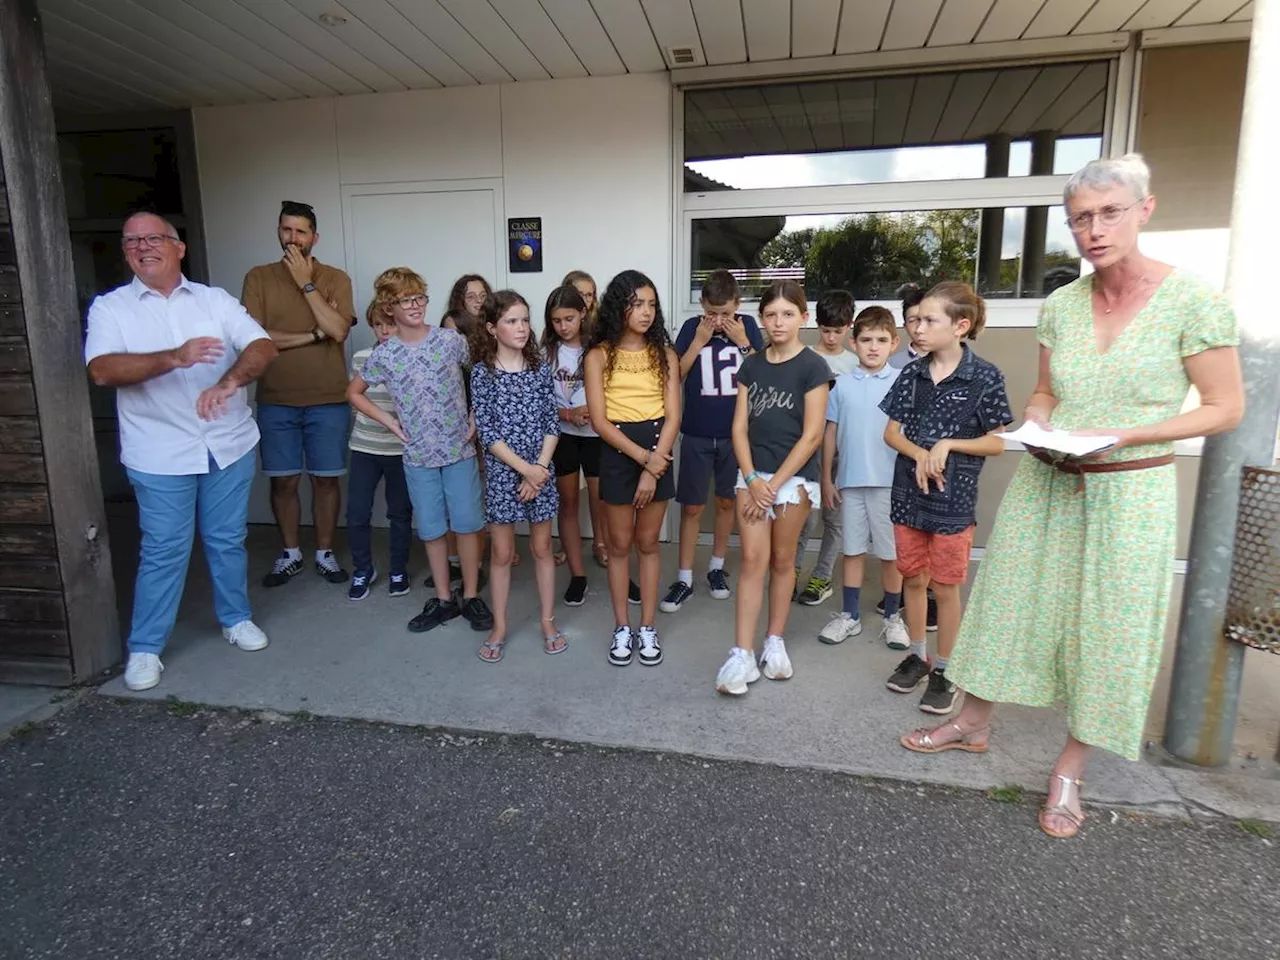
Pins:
x: 1204, y: 697
x: 991, y: 237
x: 1033, y: 234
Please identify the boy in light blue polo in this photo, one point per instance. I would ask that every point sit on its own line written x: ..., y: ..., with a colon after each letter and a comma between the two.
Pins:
x: 864, y: 478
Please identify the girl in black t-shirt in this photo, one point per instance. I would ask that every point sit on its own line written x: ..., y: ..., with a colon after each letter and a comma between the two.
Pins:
x: 777, y: 430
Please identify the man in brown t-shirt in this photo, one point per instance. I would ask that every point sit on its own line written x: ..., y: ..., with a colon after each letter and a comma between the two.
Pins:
x: 306, y: 308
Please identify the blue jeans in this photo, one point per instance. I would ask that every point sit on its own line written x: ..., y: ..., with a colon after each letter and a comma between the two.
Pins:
x: 167, y: 509
x: 366, y: 471
x: 290, y: 434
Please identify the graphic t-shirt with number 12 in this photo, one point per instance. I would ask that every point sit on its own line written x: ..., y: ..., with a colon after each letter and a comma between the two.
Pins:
x: 711, y: 388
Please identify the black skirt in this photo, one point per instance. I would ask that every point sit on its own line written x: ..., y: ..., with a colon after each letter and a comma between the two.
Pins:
x: 620, y: 475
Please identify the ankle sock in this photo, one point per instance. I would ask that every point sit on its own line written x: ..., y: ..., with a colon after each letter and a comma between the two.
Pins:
x: 685, y: 577
x: 940, y: 662
x: 454, y: 560
x: 294, y: 553
x: 852, y: 597
x: 717, y: 563
x: 322, y: 554
x: 921, y: 650
x: 892, y: 601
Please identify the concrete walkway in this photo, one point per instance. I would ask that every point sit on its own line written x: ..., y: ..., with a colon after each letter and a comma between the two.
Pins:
x: 331, y: 657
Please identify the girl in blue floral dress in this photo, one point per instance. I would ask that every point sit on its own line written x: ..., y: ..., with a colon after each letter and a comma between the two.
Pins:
x: 518, y: 425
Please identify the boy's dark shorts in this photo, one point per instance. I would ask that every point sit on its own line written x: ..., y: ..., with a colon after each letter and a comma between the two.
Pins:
x: 702, y: 458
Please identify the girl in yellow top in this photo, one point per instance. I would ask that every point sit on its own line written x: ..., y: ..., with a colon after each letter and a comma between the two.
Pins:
x: 633, y: 396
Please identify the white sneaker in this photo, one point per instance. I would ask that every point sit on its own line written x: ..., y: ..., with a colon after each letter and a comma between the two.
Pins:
x: 650, y: 650
x: 840, y: 628
x: 739, y: 670
x: 246, y: 635
x: 895, y: 634
x: 143, y: 671
x: 620, y: 648
x: 774, y: 662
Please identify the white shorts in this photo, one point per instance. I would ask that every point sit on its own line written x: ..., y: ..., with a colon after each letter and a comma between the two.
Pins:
x: 867, y: 527
x: 791, y: 491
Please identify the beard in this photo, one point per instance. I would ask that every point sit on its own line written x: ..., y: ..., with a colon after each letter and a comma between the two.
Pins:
x: 305, y: 251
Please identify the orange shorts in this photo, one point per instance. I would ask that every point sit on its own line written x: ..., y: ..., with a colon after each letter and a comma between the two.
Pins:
x: 943, y: 556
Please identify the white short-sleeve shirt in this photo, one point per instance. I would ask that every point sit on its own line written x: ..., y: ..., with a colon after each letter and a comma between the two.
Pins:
x: 160, y: 431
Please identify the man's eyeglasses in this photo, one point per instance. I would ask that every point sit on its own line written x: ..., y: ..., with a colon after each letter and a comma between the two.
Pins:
x: 408, y: 303
x: 1108, y: 216
x: 150, y: 239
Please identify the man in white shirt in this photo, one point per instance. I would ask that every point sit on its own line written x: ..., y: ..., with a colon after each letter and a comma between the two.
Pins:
x: 179, y: 355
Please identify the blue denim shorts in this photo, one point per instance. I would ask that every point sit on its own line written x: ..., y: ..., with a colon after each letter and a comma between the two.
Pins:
x: 446, y: 498
x: 319, y: 432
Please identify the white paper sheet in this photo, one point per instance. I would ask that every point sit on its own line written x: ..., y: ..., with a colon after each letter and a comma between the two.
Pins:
x: 1059, y: 441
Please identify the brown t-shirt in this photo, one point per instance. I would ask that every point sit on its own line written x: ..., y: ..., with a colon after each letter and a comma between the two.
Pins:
x: 309, y: 375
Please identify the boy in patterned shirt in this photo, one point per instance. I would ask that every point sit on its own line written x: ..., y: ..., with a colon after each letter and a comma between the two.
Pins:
x: 422, y: 369
x: 945, y: 412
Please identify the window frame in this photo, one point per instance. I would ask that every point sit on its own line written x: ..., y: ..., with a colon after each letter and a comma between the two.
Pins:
x: 894, y: 196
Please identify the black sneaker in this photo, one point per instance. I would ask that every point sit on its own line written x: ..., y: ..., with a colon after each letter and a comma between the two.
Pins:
x: 283, y: 570
x: 910, y: 674
x: 329, y: 568
x: 398, y: 584
x: 434, y: 613
x: 676, y: 596
x: 477, y: 614
x: 633, y: 593
x: 361, y: 581
x: 576, y: 595
x: 940, y: 697
x: 718, y: 584
x: 931, y: 618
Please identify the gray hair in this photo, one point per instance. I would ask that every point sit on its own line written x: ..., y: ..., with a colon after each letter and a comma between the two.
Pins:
x: 1130, y: 172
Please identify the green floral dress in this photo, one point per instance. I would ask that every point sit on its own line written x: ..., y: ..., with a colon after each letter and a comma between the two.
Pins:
x: 1072, y: 596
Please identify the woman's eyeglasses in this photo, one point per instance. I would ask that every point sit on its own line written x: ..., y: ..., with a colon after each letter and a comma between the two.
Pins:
x: 1108, y: 216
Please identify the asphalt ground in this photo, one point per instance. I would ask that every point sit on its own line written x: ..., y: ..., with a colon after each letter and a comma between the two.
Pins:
x: 156, y: 830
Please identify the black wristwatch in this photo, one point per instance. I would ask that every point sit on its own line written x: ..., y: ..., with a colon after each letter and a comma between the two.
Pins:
x: 308, y: 288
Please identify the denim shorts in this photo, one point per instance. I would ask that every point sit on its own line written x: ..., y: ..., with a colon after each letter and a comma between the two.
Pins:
x: 318, y: 432
x: 446, y: 498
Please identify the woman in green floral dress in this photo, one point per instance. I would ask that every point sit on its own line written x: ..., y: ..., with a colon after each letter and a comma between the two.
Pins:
x: 1071, y: 599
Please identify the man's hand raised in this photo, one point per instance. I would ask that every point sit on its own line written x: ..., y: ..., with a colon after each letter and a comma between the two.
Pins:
x: 199, y: 350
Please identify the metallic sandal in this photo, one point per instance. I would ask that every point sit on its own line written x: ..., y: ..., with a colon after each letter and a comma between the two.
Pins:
x: 1059, y: 809
x: 924, y: 742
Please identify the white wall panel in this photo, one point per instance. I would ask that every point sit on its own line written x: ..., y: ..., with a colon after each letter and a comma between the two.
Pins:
x: 447, y: 134
x: 605, y: 201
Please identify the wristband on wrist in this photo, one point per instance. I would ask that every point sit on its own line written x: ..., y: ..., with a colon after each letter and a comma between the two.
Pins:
x: 751, y: 476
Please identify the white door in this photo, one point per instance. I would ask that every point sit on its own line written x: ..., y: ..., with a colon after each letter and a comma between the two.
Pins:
x: 442, y: 230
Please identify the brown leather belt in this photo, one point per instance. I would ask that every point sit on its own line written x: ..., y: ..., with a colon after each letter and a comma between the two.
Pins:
x: 1081, y: 467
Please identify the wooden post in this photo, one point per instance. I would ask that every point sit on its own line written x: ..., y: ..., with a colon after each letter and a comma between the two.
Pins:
x: 58, y: 621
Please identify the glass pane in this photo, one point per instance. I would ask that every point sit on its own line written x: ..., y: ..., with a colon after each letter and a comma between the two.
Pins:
x: 937, y: 126
x: 873, y: 254
x: 110, y: 172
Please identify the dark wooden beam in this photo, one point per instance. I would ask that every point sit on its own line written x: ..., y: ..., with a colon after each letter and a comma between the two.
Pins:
x: 44, y: 284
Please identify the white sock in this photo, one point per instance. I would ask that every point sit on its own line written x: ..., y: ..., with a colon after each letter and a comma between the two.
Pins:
x: 940, y: 662
x: 321, y: 554
x: 921, y: 649
x: 685, y: 577
x: 717, y: 563
x: 774, y: 636
x: 455, y: 560
x: 294, y: 553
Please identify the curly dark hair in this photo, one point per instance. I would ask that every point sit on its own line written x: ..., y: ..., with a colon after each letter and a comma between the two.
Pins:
x: 562, y: 297
x: 457, y: 308
x: 484, y: 345
x: 611, y: 323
